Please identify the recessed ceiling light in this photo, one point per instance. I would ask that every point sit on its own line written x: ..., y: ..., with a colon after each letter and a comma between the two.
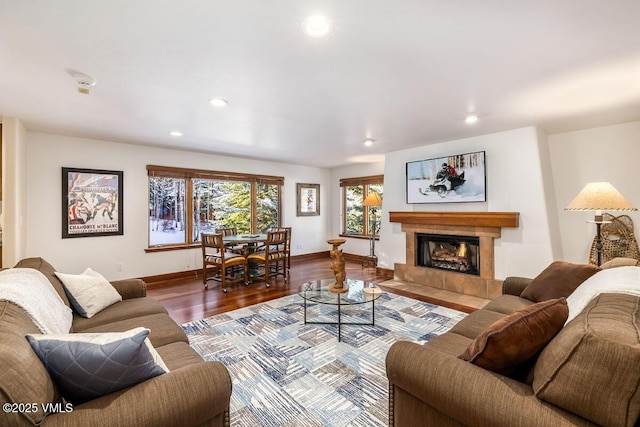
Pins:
x: 219, y: 102
x: 369, y: 142
x: 317, y: 26
x: 175, y: 133
x: 471, y: 118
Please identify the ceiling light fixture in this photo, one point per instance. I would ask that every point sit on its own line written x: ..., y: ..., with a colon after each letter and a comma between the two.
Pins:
x: 471, y: 118
x: 219, y: 102
x: 175, y: 133
x: 369, y: 142
x: 317, y: 26
x: 85, y: 82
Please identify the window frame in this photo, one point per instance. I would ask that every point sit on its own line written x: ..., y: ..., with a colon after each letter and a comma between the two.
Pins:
x: 189, y: 175
x: 365, y: 182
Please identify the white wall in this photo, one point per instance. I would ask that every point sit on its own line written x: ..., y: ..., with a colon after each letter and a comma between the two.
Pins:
x: 515, y: 161
x: 352, y: 245
x: 47, y: 154
x: 609, y: 153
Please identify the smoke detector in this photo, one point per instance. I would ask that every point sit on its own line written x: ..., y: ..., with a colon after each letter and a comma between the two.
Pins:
x: 85, y: 82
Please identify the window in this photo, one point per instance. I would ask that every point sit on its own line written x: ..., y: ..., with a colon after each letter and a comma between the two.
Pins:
x: 358, y: 220
x: 185, y: 202
x: 167, y: 210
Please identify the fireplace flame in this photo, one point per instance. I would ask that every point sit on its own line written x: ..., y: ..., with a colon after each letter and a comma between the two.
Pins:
x: 462, y: 251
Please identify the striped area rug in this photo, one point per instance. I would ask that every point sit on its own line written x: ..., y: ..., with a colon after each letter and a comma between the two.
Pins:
x: 286, y: 373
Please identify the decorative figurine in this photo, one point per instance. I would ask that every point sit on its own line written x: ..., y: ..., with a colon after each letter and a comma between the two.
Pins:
x: 337, y: 266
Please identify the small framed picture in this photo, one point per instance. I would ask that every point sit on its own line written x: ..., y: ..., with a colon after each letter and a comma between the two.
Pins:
x: 91, y: 203
x: 308, y: 203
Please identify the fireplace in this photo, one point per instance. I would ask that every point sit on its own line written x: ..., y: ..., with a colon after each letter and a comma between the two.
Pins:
x: 448, y: 252
x: 471, y: 273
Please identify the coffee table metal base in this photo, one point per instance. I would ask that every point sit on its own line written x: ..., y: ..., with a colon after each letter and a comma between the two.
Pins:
x: 340, y: 322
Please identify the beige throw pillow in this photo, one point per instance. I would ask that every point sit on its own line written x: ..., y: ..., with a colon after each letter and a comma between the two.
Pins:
x: 89, y: 292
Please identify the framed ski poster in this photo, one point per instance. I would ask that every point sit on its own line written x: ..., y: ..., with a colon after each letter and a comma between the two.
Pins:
x: 91, y: 203
x: 451, y: 179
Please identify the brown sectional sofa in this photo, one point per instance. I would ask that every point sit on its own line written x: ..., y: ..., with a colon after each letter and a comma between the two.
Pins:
x: 194, y: 392
x: 588, y: 374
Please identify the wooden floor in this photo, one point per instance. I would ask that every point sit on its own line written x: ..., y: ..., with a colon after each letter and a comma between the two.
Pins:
x: 188, y: 300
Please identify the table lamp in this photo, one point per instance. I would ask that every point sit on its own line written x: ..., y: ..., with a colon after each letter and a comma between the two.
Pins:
x: 598, y: 197
x: 373, y: 200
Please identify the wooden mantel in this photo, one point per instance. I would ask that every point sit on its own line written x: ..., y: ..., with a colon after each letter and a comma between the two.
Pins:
x: 467, y: 219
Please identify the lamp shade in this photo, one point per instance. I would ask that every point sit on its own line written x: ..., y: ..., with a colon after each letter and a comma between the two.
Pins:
x: 373, y: 199
x: 600, y: 196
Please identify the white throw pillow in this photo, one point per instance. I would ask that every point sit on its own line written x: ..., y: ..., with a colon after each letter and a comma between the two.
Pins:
x: 89, y: 292
x: 86, y: 366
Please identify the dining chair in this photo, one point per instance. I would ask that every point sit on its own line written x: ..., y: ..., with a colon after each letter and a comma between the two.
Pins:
x: 231, y: 231
x: 228, y: 267
x: 287, y: 248
x: 272, y: 260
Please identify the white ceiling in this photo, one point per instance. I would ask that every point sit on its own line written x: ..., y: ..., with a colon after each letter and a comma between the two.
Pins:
x: 403, y: 72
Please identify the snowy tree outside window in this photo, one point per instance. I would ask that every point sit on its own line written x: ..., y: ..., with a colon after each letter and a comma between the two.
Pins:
x: 359, y: 220
x: 184, y: 203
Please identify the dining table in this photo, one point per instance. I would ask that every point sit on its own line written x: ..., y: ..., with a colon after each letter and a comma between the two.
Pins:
x: 249, y: 243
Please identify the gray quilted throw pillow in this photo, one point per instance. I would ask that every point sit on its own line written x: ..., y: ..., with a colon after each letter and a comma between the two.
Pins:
x: 87, y: 366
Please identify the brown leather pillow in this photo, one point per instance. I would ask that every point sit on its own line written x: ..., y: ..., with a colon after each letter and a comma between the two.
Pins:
x: 558, y: 280
x: 510, y: 343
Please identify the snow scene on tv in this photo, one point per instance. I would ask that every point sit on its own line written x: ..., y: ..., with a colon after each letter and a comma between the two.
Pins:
x: 459, y: 178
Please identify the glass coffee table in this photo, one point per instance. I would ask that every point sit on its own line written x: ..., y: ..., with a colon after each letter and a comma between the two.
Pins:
x: 360, y: 292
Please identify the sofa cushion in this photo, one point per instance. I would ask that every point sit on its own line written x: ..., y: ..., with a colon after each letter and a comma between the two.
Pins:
x: 507, y: 304
x: 512, y: 341
x: 163, y: 329
x: 592, y: 367
x: 23, y: 378
x: 89, y: 292
x: 449, y: 343
x: 620, y: 262
x: 177, y: 355
x: 125, y: 309
x: 47, y: 269
x: 558, y: 280
x: 475, y: 323
x: 87, y: 366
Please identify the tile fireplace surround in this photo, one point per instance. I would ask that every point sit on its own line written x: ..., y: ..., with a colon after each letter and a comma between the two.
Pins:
x: 485, y: 225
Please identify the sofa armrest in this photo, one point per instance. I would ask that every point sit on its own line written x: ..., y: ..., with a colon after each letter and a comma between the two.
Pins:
x: 514, y: 285
x: 467, y: 393
x: 188, y: 396
x: 130, y: 288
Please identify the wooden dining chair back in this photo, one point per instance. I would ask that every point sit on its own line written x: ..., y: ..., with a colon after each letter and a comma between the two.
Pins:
x: 227, y: 267
x: 287, y: 248
x: 230, y: 231
x: 233, y: 247
x: 271, y: 261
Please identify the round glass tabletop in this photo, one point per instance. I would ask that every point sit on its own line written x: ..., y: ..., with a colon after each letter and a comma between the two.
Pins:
x: 359, y: 292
